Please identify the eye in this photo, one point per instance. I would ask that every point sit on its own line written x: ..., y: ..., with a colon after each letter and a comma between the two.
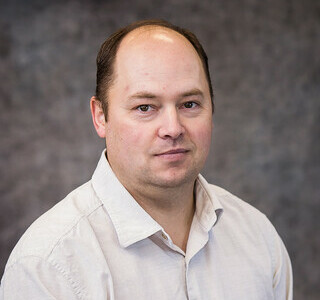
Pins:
x: 189, y: 104
x: 144, y: 108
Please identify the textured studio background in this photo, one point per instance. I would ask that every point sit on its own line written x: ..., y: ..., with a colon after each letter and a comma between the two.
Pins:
x: 265, y: 64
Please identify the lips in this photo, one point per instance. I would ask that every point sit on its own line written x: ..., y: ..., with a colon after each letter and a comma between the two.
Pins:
x: 173, y: 152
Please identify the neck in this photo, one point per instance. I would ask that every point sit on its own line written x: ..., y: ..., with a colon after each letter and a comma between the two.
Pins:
x: 172, y: 208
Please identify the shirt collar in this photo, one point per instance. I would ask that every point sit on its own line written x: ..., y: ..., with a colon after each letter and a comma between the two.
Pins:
x: 208, y: 206
x: 132, y: 223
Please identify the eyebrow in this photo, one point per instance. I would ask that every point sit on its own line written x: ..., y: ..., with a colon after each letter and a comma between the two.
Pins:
x: 148, y: 95
x: 143, y: 95
x: 193, y: 92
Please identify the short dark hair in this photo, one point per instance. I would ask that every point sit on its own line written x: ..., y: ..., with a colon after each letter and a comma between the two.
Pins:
x: 108, y: 51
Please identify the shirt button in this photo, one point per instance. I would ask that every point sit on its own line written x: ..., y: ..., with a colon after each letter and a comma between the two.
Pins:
x: 164, y: 236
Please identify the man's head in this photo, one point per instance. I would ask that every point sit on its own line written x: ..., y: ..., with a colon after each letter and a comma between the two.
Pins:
x: 108, y: 51
x: 158, y: 130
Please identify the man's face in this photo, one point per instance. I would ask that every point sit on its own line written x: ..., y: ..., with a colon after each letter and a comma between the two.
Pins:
x: 159, y: 111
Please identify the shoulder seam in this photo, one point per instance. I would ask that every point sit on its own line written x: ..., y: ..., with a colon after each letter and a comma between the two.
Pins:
x: 69, y: 229
x: 74, y: 286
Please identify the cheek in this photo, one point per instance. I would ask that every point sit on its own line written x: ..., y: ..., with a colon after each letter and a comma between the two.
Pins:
x: 202, y: 136
x: 128, y: 137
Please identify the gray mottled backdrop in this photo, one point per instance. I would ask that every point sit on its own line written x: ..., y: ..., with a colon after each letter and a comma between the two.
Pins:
x: 264, y: 58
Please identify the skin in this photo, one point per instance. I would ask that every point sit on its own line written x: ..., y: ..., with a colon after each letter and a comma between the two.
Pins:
x: 159, y: 126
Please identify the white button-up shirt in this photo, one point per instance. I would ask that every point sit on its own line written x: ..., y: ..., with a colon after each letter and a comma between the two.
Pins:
x: 98, y: 243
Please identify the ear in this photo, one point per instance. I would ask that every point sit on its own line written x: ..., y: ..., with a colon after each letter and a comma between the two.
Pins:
x: 98, y: 118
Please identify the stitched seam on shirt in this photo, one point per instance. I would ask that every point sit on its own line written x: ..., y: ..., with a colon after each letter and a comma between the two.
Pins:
x: 270, y: 245
x: 74, y: 224
x: 74, y: 286
x: 76, y: 220
x: 273, y: 250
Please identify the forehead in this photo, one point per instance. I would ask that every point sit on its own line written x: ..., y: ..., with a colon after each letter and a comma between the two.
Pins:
x: 156, y: 51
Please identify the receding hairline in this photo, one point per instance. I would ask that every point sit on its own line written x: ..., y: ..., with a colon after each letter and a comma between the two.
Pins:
x: 150, y: 28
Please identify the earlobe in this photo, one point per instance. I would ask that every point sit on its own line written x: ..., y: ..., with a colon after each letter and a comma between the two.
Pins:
x: 98, y: 118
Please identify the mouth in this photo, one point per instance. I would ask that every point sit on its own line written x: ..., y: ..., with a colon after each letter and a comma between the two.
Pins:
x: 173, y: 154
x: 173, y: 151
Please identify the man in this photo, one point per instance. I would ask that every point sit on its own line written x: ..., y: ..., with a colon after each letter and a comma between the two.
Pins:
x: 148, y: 226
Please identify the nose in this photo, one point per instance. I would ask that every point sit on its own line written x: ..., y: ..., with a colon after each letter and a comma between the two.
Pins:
x: 171, y: 126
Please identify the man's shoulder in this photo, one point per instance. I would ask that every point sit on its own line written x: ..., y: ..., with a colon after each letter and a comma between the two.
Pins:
x: 45, y: 233
x: 243, y: 222
x: 239, y: 212
x: 229, y: 200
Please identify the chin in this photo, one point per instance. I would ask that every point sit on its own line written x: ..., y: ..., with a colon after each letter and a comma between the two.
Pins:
x: 174, y: 180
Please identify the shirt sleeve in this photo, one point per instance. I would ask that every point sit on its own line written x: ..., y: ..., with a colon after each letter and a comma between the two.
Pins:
x: 34, y: 278
x: 282, y: 278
